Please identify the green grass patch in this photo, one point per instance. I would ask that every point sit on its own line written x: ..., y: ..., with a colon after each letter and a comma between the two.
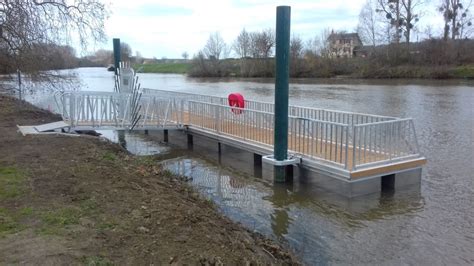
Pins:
x: 167, y: 68
x: 26, y: 211
x: 109, y: 156
x: 8, y: 223
x: 56, y: 220
x: 89, y: 206
x: 96, y: 261
x: 465, y: 72
x: 62, y: 217
x: 10, y: 220
x: 107, y: 225
x: 11, y: 182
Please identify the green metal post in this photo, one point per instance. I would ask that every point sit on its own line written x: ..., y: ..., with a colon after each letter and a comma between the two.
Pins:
x: 282, y: 57
x: 116, y: 54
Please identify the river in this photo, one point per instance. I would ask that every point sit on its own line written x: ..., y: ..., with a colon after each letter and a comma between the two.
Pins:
x: 433, y: 224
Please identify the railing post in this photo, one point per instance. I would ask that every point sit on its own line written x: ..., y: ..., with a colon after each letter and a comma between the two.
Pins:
x: 73, y: 110
x: 354, y: 139
x: 182, y: 113
x: 218, y: 118
x: 347, y: 147
x: 281, y: 90
x: 417, y: 147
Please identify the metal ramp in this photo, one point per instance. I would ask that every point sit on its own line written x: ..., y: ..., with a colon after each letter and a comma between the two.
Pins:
x: 49, y: 128
x: 127, y: 108
x: 119, y: 111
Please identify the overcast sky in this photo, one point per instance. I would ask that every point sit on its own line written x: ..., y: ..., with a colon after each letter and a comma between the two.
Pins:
x: 167, y: 28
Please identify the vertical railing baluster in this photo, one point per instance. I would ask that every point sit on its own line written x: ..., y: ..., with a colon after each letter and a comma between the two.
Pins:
x: 335, y: 145
x: 346, y: 156
x: 354, y: 140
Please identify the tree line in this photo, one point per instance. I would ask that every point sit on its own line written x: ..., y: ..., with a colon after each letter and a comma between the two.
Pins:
x: 33, y: 33
x: 386, y: 28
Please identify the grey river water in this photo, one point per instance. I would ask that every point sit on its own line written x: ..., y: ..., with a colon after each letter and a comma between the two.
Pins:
x: 430, y: 225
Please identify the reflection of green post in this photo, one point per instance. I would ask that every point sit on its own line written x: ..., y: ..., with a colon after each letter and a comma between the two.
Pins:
x: 121, y: 138
x: 116, y: 54
x: 281, y: 199
x: 281, y: 89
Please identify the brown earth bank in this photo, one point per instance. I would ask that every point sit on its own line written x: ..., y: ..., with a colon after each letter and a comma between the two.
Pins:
x: 84, y: 200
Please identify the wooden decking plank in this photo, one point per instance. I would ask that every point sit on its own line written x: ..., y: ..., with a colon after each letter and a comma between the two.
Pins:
x: 388, y: 168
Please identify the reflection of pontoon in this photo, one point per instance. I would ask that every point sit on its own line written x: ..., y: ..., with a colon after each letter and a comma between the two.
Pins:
x: 259, y: 203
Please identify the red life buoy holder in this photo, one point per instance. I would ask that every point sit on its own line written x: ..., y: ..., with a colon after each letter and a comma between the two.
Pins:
x: 236, y: 100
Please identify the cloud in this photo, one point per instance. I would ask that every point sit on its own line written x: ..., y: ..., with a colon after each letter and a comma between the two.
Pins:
x: 167, y: 28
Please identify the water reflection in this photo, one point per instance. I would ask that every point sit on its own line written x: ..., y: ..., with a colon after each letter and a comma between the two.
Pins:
x: 278, y: 209
x: 280, y: 218
x: 134, y: 142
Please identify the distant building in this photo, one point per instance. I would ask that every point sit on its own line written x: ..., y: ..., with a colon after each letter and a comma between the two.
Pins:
x: 344, y: 45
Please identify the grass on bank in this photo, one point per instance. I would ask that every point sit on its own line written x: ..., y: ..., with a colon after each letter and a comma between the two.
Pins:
x: 165, y: 68
x: 12, y: 185
x: 11, y: 182
x: 463, y: 72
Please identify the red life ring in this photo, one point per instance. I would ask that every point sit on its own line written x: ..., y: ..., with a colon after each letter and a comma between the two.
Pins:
x: 236, y: 100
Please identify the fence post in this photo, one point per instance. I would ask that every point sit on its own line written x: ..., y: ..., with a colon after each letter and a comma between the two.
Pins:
x: 218, y: 118
x: 354, y: 140
x: 18, y: 72
x: 116, y: 42
x: 281, y: 90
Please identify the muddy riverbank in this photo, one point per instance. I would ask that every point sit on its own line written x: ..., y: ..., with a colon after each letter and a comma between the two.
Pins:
x: 70, y: 200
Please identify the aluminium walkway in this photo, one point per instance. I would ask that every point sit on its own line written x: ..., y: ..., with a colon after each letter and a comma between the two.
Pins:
x: 350, y: 146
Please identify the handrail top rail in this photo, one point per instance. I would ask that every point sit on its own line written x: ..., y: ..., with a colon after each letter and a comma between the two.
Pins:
x: 108, y: 94
x: 384, y: 122
x: 290, y: 106
x: 115, y: 94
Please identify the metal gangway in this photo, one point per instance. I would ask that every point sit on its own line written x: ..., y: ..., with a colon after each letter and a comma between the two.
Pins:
x: 342, y: 141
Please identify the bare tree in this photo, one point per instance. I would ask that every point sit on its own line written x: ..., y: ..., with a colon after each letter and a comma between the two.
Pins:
x: 410, y: 17
x: 103, y: 57
x: 208, y: 61
x: 242, y: 48
x: 367, y: 27
x: 241, y: 45
x: 296, y: 54
x: 138, y: 57
x: 296, y: 47
x: 402, y: 15
x: 185, y: 55
x: 465, y: 23
x: 262, y: 43
x: 457, y: 18
x: 392, y: 11
x: 322, y: 43
x: 215, y: 46
x: 26, y: 23
x: 125, y: 51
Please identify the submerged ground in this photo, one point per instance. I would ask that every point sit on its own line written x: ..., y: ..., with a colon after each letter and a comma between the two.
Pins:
x: 74, y: 200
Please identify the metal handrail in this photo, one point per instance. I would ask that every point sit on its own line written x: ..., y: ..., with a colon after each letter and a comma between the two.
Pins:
x: 253, y: 102
x: 349, y: 144
x: 336, y: 142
